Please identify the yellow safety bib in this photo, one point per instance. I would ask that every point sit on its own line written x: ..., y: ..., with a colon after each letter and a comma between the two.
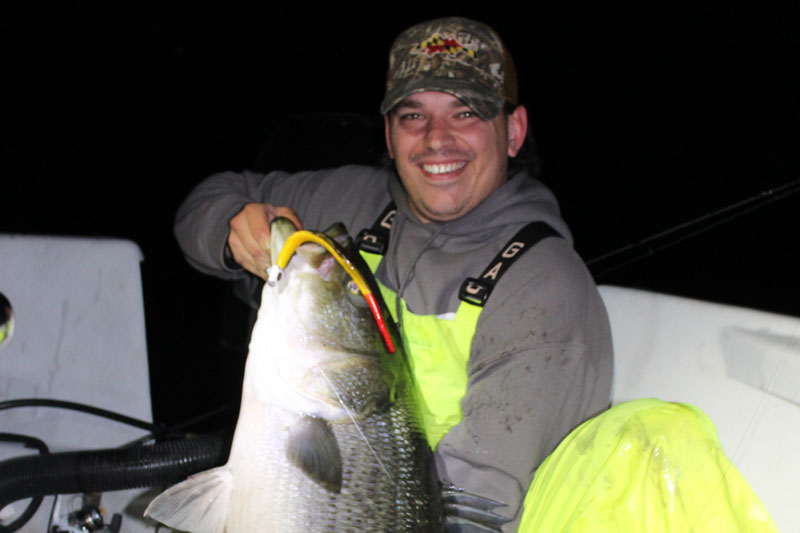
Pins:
x: 437, y: 350
x: 643, y: 466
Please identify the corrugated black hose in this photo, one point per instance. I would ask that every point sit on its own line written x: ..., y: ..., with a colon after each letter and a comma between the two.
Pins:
x: 33, y: 506
x: 163, y: 463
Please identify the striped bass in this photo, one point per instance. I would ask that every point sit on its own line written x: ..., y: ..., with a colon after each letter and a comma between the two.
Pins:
x: 328, y: 437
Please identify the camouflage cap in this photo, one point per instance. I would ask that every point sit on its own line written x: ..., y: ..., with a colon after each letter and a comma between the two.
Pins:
x: 455, y: 55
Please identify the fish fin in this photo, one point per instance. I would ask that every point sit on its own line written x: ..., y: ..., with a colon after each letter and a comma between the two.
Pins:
x: 312, y: 447
x: 337, y: 229
x: 471, y: 513
x: 199, y: 504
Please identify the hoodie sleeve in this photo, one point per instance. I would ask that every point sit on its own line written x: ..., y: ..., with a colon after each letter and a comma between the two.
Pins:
x: 201, y: 223
x: 540, y: 364
x: 318, y: 197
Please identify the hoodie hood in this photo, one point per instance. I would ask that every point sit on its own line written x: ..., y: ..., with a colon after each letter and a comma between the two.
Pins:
x: 427, y: 262
x: 517, y: 202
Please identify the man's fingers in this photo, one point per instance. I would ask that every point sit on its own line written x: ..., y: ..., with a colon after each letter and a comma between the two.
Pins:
x: 238, y: 252
x: 254, y: 263
x: 249, y: 235
x: 251, y: 229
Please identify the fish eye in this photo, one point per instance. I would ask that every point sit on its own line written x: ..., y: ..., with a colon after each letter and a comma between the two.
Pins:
x: 352, y: 286
x: 355, y: 296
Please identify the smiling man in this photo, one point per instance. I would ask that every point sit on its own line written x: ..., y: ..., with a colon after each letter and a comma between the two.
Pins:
x: 504, y: 328
x: 448, y: 158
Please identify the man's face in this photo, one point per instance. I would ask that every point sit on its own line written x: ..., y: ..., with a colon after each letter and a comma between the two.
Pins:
x: 448, y: 158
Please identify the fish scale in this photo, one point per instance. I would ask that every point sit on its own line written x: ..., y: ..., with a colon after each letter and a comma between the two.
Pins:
x: 369, y: 500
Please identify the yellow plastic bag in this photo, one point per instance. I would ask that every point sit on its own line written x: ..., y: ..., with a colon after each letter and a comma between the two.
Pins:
x: 645, y: 465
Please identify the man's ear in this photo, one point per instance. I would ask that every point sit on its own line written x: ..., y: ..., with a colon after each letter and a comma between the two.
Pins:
x: 517, y: 129
x: 386, y: 119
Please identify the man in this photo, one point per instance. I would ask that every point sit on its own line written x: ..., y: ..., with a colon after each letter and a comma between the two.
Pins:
x: 506, y: 333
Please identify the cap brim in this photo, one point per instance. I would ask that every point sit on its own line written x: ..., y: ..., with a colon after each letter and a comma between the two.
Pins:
x: 486, y: 108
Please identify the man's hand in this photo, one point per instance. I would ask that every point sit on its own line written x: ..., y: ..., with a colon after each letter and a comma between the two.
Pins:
x: 249, y: 235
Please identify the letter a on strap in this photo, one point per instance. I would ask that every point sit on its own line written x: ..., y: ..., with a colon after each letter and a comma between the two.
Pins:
x: 477, y: 290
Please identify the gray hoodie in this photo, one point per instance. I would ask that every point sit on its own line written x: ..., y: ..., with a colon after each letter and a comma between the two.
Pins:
x: 541, y: 359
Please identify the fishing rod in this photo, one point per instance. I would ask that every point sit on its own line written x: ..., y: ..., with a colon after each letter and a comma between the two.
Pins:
x: 668, y: 238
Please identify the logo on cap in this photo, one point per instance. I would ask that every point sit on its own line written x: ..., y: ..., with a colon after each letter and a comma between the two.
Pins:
x: 437, y: 44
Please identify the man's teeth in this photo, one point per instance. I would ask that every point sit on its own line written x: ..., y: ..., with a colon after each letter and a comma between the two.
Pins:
x: 443, y: 168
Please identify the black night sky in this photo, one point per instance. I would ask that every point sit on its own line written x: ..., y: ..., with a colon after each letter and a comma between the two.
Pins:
x: 646, y: 117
